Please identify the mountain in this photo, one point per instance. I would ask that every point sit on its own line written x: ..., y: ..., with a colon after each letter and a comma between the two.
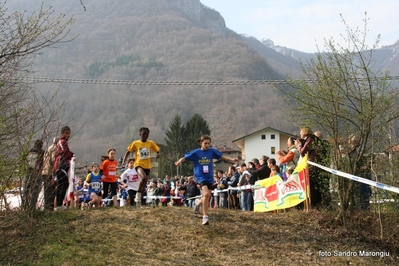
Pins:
x: 287, y: 63
x: 154, y: 40
x: 287, y: 51
x: 164, y: 41
x: 386, y: 57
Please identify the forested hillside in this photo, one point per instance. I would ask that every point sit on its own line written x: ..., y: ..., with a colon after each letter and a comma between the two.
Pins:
x: 157, y: 40
x: 163, y: 41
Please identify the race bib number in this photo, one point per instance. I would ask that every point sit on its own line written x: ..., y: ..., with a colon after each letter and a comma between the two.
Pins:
x: 144, y: 153
x: 96, y: 185
x: 205, y: 169
x: 133, y: 178
x: 111, y: 173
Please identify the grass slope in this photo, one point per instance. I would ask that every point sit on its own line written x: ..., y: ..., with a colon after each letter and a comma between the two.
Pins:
x: 175, y: 236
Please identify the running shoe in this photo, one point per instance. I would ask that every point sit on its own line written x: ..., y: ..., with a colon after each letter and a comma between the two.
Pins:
x: 61, y: 208
x: 137, y: 199
x: 197, y: 206
x: 205, y: 220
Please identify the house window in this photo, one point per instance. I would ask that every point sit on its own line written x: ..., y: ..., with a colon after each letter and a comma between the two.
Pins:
x: 272, y: 136
x: 273, y: 150
x: 263, y: 136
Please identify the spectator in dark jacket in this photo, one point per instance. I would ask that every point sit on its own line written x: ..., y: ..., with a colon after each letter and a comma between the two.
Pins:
x: 251, y: 181
x: 264, y: 171
x: 256, y: 162
x: 158, y: 192
x: 165, y: 193
x: 192, y: 191
x: 307, y: 145
x: 234, y: 178
x: 242, y: 183
x: 222, y: 189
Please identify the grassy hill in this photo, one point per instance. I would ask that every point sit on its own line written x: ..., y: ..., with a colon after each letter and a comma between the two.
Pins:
x: 175, y: 236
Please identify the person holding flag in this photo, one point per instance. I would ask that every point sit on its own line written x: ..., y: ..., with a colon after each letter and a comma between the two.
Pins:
x: 62, y: 164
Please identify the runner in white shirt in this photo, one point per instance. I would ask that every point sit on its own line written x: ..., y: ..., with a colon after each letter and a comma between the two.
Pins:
x: 132, y: 181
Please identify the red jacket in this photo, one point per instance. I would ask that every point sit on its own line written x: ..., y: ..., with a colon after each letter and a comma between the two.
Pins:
x: 62, y: 149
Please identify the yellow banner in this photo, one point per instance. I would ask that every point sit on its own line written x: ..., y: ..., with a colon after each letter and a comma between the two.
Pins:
x: 273, y: 193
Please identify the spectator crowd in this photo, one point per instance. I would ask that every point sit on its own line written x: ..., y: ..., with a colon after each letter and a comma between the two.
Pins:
x: 113, y: 183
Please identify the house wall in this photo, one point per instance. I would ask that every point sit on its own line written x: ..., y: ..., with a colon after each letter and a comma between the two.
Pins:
x: 256, y: 146
x: 283, y: 142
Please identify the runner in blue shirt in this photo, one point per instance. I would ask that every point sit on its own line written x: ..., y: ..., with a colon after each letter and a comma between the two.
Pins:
x: 203, y: 171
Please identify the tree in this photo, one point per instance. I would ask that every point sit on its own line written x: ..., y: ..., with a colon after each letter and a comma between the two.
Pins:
x: 173, y: 149
x: 25, y: 113
x: 23, y: 36
x: 195, y: 127
x: 342, y: 96
x: 181, y: 139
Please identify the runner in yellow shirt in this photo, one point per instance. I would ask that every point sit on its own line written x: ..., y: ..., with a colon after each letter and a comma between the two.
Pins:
x: 142, y: 149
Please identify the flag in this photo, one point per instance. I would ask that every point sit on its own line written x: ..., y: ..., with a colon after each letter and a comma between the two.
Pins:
x: 71, y: 179
x: 274, y: 194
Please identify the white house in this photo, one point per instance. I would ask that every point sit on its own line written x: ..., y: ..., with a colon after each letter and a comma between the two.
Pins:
x: 263, y: 142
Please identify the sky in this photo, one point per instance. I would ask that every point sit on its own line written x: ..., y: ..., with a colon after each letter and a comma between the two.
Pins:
x: 304, y: 24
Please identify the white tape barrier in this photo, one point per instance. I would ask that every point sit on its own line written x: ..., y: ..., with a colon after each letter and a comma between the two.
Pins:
x: 148, y: 197
x: 356, y: 178
x: 196, y: 197
x: 162, y: 197
x: 246, y: 187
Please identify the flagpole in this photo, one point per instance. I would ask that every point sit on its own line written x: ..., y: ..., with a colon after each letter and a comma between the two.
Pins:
x: 307, y: 185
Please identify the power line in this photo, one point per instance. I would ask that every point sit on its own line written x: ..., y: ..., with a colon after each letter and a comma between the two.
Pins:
x: 149, y: 82
x: 167, y: 83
